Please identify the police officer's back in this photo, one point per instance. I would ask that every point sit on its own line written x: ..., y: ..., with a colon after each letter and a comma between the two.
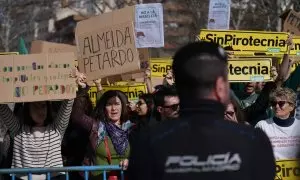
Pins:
x: 201, y: 144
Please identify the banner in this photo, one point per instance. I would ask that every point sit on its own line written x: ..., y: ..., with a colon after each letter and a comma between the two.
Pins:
x: 247, y: 40
x: 132, y: 91
x: 287, y: 170
x: 160, y: 66
x: 249, y: 70
x: 239, y: 69
x: 296, y: 50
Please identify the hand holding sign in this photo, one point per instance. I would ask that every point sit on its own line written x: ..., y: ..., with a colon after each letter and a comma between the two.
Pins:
x: 80, y: 80
x: 290, y: 43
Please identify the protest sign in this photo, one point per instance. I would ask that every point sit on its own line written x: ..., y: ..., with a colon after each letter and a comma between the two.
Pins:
x: 9, y: 53
x: 39, y: 46
x: 296, y: 49
x: 287, y: 169
x: 254, y: 54
x: 249, y: 70
x: 240, y: 69
x: 36, y: 77
x: 149, y: 25
x: 292, y: 23
x: 274, y: 42
x: 132, y: 91
x: 219, y: 14
x: 107, y: 49
x: 160, y: 66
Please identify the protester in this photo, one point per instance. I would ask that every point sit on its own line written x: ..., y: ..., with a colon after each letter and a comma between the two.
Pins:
x: 145, y: 110
x: 223, y: 150
x: 169, y: 80
x: 37, y: 141
x: 250, y: 94
x: 167, y: 103
x: 109, y: 132
x: 234, y: 113
x: 283, y: 129
x: 77, y: 137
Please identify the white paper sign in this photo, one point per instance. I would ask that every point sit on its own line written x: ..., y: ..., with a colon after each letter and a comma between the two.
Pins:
x: 149, y: 25
x: 219, y: 14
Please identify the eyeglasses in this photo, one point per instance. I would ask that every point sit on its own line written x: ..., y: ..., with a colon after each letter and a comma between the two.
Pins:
x: 174, y: 107
x: 280, y: 103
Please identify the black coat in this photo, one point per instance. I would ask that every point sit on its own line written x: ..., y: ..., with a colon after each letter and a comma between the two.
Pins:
x: 202, y: 145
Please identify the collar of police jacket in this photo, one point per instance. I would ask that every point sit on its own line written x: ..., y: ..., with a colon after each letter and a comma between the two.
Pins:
x: 209, y: 108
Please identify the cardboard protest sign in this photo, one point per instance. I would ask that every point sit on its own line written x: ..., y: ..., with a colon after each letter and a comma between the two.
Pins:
x: 274, y: 42
x: 144, y: 62
x: 254, y: 54
x: 9, y: 53
x: 249, y: 70
x: 160, y: 66
x: 36, y: 77
x: 292, y: 23
x: 132, y: 91
x: 39, y: 46
x: 288, y: 169
x: 106, y: 44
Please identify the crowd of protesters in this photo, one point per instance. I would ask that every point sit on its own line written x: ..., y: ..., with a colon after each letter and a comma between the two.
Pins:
x: 74, y: 133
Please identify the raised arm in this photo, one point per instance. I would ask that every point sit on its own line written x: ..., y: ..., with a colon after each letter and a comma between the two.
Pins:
x: 78, y: 115
x: 63, y: 116
x: 10, y: 120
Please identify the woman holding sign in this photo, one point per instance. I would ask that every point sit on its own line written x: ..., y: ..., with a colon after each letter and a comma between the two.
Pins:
x: 37, y: 142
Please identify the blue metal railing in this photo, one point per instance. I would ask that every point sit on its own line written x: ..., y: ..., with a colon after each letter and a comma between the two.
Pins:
x: 86, y: 169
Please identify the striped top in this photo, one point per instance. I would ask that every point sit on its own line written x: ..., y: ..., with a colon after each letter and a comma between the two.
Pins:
x: 37, y: 147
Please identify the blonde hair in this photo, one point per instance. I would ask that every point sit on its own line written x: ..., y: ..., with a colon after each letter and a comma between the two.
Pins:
x: 285, y: 93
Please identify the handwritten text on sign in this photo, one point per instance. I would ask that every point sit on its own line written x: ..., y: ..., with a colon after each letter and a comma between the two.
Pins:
x: 36, y: 77
x: 108, y: 51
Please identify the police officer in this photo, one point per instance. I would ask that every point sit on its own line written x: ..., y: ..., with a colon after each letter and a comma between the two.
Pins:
x: 201, y: 144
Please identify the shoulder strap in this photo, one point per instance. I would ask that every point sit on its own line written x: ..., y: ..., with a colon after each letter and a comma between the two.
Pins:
x: 107, y: 150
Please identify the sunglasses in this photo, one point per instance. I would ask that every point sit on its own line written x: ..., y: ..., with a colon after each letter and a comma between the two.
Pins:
x: 280, y: 103
x: 174, y: 107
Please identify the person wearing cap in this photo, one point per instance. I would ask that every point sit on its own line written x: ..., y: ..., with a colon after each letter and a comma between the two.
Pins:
x: 200, y: 144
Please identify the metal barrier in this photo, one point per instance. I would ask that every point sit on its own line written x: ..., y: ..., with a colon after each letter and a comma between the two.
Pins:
x: 48, y: 171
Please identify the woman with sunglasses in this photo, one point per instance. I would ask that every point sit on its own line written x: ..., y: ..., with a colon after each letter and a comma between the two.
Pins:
x: 234, y: 113
x: 145, y: 116
x: 282, y: 130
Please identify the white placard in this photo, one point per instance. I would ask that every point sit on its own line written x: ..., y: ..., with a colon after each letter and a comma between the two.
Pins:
x: 149, y: 25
